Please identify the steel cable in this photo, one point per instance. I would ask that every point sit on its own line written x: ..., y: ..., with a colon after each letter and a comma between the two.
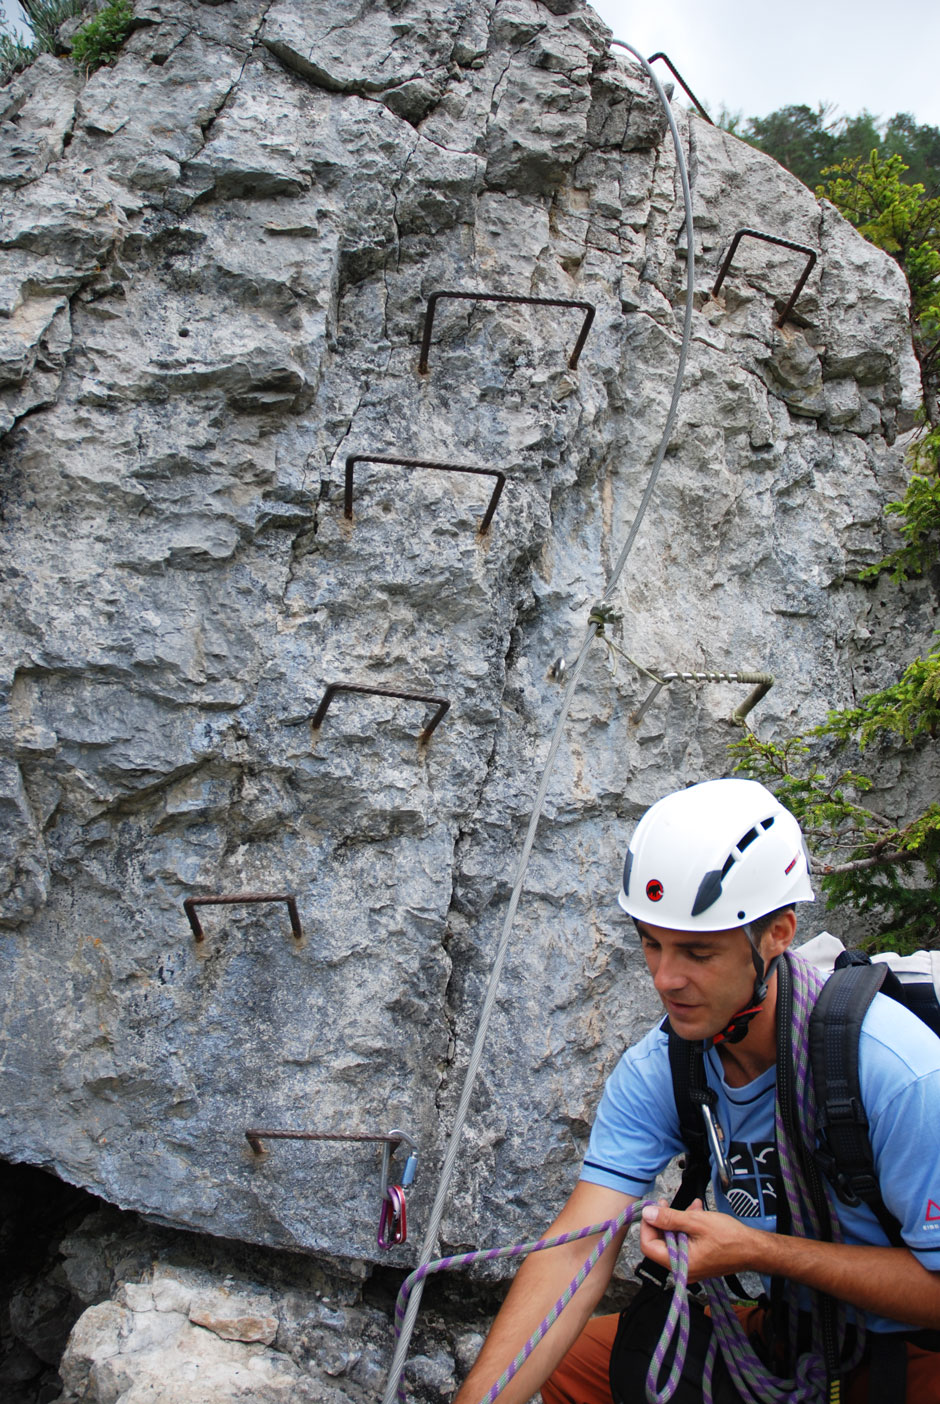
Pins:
x: 496, y: 970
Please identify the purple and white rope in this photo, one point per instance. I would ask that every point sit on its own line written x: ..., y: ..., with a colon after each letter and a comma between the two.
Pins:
x: 679, y: 1259
x: 677, y: 1319
x: 753, y: 1381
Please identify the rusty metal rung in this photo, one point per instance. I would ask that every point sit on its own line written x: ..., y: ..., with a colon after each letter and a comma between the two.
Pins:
x: 496, y: 473
x: 441, y: 703
x: 763, y: 682
x: 586, y: 307
x: 392, y: 1220
x: 257, y: 1136
x: 769, y: 239
x: 682, y: 83
x: 237, y: 898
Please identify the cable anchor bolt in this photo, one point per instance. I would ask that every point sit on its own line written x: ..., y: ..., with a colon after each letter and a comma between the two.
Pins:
x: 603, y: 614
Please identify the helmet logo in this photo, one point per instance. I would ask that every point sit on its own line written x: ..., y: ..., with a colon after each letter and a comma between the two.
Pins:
x: 654, y: 890
x: 790, y: 866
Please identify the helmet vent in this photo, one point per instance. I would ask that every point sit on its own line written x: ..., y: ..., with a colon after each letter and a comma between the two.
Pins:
x: 627, y: 865
x: 710, y: 887
x: 749, y: 837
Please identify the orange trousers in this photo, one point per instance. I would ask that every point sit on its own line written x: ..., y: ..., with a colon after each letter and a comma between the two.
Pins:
x: 582, y: 1377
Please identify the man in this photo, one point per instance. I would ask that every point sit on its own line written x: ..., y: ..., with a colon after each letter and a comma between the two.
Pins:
x: 710, y: 880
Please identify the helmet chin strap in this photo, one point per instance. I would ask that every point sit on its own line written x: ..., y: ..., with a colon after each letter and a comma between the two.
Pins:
x: 738, y: 1025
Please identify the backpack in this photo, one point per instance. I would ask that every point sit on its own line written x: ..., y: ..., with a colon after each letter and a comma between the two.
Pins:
x: 844, y: 1152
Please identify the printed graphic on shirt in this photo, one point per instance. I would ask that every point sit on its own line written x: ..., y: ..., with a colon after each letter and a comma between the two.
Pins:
x: 932, y: 1216
x: 752, y: 1194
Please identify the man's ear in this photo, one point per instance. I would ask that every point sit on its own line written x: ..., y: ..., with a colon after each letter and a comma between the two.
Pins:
x: 779, y: 934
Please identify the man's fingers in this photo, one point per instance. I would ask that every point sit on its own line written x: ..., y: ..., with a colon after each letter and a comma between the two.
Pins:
x: 662, y: 1217
x: 665, y: 1217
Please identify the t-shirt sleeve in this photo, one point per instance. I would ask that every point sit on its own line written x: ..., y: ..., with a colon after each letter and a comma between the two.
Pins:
x: 900, y: 1083
x: 636, y: 1130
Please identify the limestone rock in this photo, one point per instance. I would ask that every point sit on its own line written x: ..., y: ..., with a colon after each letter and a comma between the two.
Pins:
x: 37, y: 110
x: 215, y: 263
x: 121, y: 1355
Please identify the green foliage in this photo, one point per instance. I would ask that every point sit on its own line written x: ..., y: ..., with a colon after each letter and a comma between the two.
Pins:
x: 918, y: 146
x: 908, y: 709
x: 901, y: 218
x: 14, y: 55
x: 807, y: 139
x: 894, y: 214
x: 885, y: 869
x: 99, y: 41
x: 919, y: 510
x: 45, y: 17
x: 801, y: 138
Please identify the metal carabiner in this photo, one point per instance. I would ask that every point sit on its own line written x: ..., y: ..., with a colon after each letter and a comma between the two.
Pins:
x: 393, y: 1220
x: 392, y: 1141
x: 716, y: 1142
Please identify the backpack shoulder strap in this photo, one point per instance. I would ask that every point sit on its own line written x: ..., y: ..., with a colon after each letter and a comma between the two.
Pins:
x: 696, y: 1104
x: 690, y: 1089
x: 844, y: 1153
x: 687, y: 1065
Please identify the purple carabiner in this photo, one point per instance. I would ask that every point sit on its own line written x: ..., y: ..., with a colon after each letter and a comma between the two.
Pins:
x: 393, y: 1223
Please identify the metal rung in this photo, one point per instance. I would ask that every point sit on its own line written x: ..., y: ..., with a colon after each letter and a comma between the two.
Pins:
x: 355, y: 458
x: 256, y: 1137
x: 764, y: 682
x: 586, y: 307
x: 682, y: 83
x: 392, y: 1220
x: 191, y: 903
x: 441, y: 703
x: 769, y: 239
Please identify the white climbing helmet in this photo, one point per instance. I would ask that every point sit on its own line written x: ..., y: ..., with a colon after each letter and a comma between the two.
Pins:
x: 715, y: 856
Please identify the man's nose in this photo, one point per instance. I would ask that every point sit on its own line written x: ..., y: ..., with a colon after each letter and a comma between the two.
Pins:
x: 669, y: 974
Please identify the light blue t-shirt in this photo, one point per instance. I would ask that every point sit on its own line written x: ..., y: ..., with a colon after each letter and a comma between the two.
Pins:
x: 636, y: 1132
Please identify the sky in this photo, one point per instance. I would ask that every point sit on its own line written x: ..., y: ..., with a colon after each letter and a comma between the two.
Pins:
x: 753, y: 57
x: 12, y: 18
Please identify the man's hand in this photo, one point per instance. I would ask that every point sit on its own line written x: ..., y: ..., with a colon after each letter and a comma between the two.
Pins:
x: 886, y: 1281
x: 539, y: 1283
x: 718, y: 1243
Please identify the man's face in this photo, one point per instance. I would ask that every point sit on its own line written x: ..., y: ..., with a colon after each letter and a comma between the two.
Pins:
x: 702, y: 977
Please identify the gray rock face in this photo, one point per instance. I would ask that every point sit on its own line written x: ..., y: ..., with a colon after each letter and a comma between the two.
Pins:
x: 215, y: 259
x: 174, y: 1319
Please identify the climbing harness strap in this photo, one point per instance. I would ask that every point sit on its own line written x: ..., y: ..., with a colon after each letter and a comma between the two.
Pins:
x: 844, y: 1152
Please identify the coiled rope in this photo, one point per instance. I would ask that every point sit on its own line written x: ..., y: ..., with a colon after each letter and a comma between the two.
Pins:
x: 753, y: 1381
x: 796, y: 1131
x: 476, y: 1056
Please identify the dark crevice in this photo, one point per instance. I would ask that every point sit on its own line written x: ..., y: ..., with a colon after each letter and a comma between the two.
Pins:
x: 37, y: 1304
